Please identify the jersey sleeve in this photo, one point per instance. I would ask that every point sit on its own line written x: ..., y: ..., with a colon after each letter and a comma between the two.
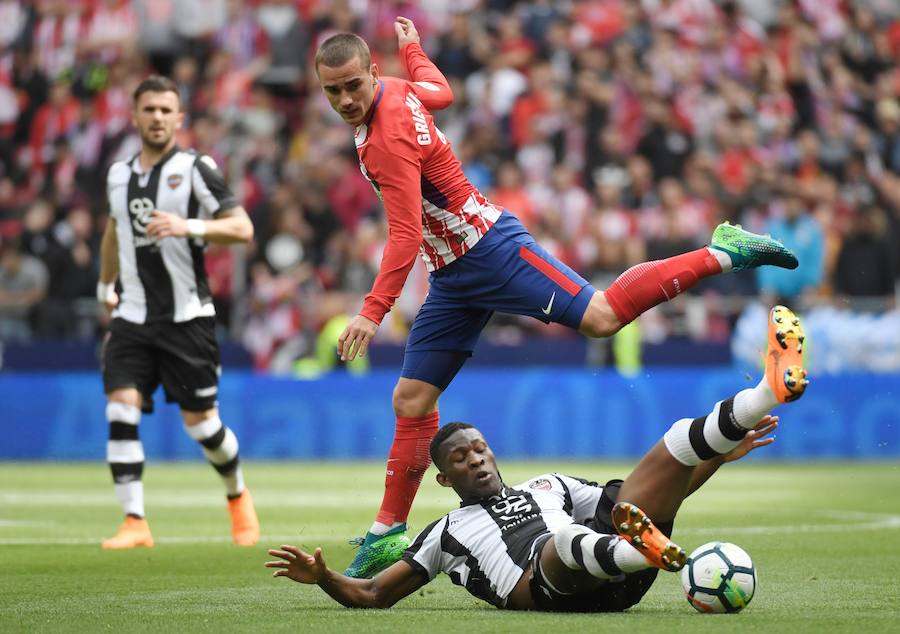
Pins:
x: 429, y: 84
x: 426, y: 555
x: 210, y: 188
x: 583, y: 495
x: 398, y: 177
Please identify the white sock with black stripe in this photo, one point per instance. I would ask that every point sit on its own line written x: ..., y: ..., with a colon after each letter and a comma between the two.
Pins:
x: 692, y: 441
x: 125, y: 455
x: 220, y: 446
x: 603, y: 556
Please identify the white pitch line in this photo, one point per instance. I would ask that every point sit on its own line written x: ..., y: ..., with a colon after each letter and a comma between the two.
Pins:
x: 24, y: 523
x: 272, y: 540
x: 890, y: 522
x: 166, y: 499
x: 887, y: 521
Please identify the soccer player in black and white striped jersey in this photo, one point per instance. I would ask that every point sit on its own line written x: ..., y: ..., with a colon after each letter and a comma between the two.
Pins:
x: 165, y: 204
x: 559, y: 543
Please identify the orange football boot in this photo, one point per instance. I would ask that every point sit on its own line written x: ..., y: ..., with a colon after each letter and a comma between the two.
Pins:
x: 244, y: 523
x: 634, y: 525
x: 133, y: 532
x: 784, y: 357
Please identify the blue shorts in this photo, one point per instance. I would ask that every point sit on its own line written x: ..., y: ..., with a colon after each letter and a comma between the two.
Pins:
x: 507, y: 271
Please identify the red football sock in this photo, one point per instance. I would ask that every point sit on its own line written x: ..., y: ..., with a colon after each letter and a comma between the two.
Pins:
x: 642, y: 287
x: 407, y: 462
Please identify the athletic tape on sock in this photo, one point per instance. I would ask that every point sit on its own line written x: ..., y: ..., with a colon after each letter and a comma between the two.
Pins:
x: 677, y: 441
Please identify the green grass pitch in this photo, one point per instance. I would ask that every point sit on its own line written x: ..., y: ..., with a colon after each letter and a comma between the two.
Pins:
x: 825, y: 539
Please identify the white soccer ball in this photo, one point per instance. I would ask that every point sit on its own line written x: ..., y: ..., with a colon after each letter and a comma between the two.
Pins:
x: 719, y: 577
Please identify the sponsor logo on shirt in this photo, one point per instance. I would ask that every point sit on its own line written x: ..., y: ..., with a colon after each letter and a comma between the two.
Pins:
x: 541, y: 483
x: 513, y: 511
x: 141, y: 212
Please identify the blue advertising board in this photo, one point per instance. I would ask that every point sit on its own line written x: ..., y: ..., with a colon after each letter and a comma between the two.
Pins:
x: 536, y: 412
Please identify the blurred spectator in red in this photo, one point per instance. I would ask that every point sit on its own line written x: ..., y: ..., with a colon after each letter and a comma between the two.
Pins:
x: 220, y: 265
x: 515, y: 49
x: 509, y: 193
x: 691, y: 19
x: 110, y: 31
x: 350, y: 196
x: 611, y: 243
x: 56, y: 118
x: 56, y: 35
x: 676, y: 225
x: 274, y: 316
x: 113, y: 104
x: 599, y: 21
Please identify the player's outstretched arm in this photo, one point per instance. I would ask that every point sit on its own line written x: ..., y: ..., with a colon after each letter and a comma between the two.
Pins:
x: 382, y: 591
x: 232, y: 225
x: 754, y: 439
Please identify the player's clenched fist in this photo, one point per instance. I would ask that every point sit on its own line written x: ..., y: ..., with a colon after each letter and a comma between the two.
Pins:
x: 355, y: 338
x: 406, y: 31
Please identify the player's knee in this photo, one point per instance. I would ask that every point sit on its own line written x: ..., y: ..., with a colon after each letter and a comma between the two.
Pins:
x: 411, y: 399
x: 564, y: 541
x: 599, y: 319
x: 126, y: 396
x: 600, y: 326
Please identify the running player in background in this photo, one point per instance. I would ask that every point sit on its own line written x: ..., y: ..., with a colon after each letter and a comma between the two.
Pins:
x: 165, y: 204
x: 559, y: 543
x: 480, y: 258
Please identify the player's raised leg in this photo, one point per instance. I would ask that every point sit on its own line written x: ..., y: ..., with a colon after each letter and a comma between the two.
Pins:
x: 692, y: 450
x: 125, y: 455
x: 220, y: 446
x: 643, y: 286
x: 784, y: 356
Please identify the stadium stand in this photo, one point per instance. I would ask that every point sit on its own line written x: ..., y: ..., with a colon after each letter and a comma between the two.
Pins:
x: 618, y: 130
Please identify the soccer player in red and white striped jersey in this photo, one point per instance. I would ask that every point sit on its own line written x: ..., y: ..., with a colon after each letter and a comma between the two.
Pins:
x: 480, y: 258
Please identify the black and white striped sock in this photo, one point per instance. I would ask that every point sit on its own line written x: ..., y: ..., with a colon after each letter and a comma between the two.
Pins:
x: 220, y: 446
x: 125, y: 455
x: 692, y: 441
x: 603, y: 556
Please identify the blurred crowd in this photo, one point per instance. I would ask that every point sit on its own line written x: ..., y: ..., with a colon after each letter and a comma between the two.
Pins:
x: 617, y: 130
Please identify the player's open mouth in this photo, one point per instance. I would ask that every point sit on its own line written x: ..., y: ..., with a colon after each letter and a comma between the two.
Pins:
x: 483, y: 476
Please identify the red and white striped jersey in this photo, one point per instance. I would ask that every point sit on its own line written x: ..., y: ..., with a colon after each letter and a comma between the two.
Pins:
x: 431, y: 206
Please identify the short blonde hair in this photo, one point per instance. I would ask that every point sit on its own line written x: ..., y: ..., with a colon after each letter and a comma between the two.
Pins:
x: 339, y: 49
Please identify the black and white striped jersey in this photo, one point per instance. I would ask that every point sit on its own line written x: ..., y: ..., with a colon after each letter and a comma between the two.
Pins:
x: 486, y: 546
x: 164, y: 280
